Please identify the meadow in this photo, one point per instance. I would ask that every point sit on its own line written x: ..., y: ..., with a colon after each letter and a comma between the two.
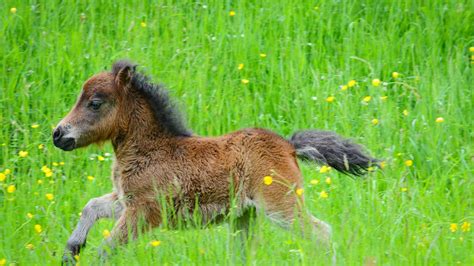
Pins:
x: 395, y: 76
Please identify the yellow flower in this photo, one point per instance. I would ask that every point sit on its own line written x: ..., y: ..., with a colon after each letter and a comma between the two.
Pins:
x: 7, y: 171
x: 375, y: 121
x: 77, y: 258
x: 330, y: 99
x: 35, y: 126
x: 2, y: 177
x: 299, y: 191
x: 262, y: 55
x: 143, y: 24
x: 267, y: 180
x: 383, y: 98
x: 382, y: 164
x: 245, y: 81
x: 370, y: 169
x: 40, y: 181
x: 30, y: 216
x: 45, y: 169
x: 404, y: 189
x: 55, y: 164
x: 49, y: 196
x: 439, y: 120
x: 3, y: 261
x: 90, y: 178
x: 351, y: 83
x: 106, y: 233
x: 61, y: 163
x: 11, y: 189
x: 314, y: 181
x: 343, y: 87
x: 41, y: 146
x: 23, y: 154
x: 408, y: 163
x: 155, y: 243
x: 466, y: 227
x: 48, y: 173
x: 30, y: 246
x: 324, y: 169
x: 376, y: 82
x: 471, y: 49
x: 453, y: 227
x: 328, y: 180
x: 395, y: 75
x: 323, y: 194
x: 240, y: 67
x: 232, y: 13
x: 100, y: 158
x: 13, y: 10
x: 405, y: 112
x: 367, y: 99
x: 38, y: 228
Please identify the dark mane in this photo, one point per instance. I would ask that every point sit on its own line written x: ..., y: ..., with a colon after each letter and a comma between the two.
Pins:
x: 156, y: 95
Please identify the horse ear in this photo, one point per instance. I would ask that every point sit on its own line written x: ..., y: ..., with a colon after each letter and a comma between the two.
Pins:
x: 123, y: 71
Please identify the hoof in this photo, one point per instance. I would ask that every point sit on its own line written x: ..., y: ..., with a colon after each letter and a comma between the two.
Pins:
x: 103, y: 255
x: 74, y: 247
x: 68, y: 259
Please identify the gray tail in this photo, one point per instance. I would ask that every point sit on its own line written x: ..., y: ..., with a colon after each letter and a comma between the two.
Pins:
x: 325, y: 147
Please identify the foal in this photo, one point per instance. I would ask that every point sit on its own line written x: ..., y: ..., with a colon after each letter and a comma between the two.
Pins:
x: 156, y: 155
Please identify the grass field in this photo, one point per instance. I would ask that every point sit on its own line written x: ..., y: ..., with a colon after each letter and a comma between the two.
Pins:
x: 298, y: 58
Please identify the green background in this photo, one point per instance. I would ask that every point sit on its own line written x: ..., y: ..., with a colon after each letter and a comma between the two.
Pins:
x: 398, y: 216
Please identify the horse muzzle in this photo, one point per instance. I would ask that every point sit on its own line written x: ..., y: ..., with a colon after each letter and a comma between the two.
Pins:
x: 62, y: 142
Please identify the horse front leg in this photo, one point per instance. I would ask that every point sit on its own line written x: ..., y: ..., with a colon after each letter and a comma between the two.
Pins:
x: 134, y: 220
x: 105, y: 206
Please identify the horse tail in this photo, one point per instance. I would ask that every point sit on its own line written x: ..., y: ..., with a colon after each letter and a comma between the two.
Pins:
x: 328, y: 148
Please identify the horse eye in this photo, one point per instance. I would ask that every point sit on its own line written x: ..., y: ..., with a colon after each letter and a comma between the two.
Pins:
x: 95, y: 105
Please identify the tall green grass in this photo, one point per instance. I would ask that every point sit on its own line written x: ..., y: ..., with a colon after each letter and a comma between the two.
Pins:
x: 399, y: 216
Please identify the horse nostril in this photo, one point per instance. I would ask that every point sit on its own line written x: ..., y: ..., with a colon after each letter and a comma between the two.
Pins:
x: 57, y: 134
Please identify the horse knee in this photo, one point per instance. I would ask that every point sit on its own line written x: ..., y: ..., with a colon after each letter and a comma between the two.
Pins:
x: 102, y: 207
x: 90, y: 210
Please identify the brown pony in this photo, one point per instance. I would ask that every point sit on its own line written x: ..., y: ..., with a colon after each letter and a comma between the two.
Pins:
x: 157, y: 156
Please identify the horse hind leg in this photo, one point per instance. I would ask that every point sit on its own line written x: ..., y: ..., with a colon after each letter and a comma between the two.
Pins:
x: 246, y: 240
x: 320, y: 229
x: 286, y: 210
x: 323, y: 233
x: 309, y: 226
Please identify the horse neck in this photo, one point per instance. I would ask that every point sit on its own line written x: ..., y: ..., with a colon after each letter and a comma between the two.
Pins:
x: 139, y: 134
